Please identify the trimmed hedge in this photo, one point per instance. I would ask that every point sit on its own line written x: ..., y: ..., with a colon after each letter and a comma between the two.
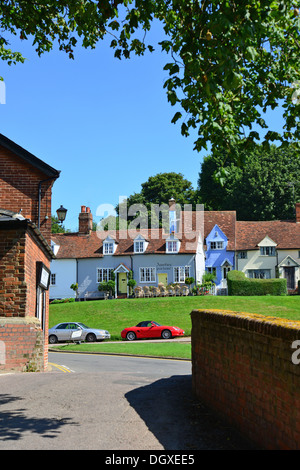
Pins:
x: 239, y: 284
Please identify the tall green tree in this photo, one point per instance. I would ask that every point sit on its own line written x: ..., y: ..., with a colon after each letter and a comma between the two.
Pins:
x: 229, y: 61
x: 265, y: 187
x: 155, y: 195
x: 158, y: 189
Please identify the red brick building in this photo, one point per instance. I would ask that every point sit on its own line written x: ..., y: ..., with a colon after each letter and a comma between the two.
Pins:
x: 25, y: 254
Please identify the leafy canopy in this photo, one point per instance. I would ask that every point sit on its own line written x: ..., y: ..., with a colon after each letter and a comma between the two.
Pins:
x: 229, y: 61
x: 265, y: 187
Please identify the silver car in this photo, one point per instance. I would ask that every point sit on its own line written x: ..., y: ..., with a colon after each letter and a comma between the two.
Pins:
x: 73, y: 331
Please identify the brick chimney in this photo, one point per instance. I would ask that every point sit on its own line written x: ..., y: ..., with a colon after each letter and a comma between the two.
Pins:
x: 298, y: 213
x: 85, y: 221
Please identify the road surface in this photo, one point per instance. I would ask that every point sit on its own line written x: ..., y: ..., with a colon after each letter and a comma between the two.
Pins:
x: 108, y: 403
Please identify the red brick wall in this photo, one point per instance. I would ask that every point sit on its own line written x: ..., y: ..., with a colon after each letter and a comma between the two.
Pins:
x: 12, y: 273
x: 242, y: 367
x: 19, y: 254
x: 19, y: 183
x: 21, y: 345
x: 33, y: 253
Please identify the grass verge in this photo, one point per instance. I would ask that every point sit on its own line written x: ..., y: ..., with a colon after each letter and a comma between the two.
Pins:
x: 172, y: 350
x: 114, y: 315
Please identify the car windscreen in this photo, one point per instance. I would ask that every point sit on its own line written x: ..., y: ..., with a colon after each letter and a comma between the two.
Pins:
x: 83, y: 326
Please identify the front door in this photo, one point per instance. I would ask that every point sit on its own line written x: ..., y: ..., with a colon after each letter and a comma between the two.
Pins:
x: 226, y: 270
x: 163, y: 279
x: 122, y: 283
x: 289, y: 274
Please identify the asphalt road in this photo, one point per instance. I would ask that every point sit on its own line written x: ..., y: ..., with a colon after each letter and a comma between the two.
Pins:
x: 108, y: 403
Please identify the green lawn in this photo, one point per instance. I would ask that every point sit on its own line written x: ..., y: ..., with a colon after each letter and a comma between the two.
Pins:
x: 114, y: 315
x: 166, y: 349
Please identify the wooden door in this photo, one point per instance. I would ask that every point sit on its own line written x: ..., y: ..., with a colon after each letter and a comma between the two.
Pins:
x: 289, y: 274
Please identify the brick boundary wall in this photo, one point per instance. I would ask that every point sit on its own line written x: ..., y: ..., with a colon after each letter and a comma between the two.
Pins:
x: 21, y: 345
x: 242, y: 368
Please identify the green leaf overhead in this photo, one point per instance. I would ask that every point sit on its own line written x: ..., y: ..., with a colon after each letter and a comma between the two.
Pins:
x: 228, y: 62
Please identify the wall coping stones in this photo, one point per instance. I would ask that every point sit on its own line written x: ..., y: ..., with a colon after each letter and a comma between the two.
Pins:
x: 266, y: 325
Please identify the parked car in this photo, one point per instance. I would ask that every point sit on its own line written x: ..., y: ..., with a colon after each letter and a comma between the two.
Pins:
x: 150, y: 329
x: 73, y: 331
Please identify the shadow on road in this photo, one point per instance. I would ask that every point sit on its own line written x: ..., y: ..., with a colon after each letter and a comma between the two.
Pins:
x: 179, y: 421
x: 14, y: 423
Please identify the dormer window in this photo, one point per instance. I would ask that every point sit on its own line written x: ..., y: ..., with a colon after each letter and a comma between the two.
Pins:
x: 108, y: 246
x: 172, y: 244
x: 54, y: 247
x: 140, y: 244
x: 267, y: 247
x: 216, y: 245
x: 267, y: 250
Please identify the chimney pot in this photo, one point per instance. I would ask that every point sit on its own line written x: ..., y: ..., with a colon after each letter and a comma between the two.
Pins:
x: 82, y: 209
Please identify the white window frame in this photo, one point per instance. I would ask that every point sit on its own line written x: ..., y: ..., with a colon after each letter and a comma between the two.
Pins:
x: 267, y: 251
x: 53, y: 278
x: 139, y: 246
x: 103, y: 274
x: 180, y: 273
x: 243, y: 255
x: 259, y: 273
x: 147, y: 274
x: 108, y: 248
x: 216, y: 245
x: 172, y: 246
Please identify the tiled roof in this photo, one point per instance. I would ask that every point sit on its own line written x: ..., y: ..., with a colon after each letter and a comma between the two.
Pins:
x: 206, y: 221
x: 283, y: 232
x: 240, y: 235
x: 74, y: 245
x: 226, y: 221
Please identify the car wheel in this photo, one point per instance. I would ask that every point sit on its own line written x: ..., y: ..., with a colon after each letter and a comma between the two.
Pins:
x: 166, y: 334
x: 131, y: 336
x: 90, y: 338
x: 52, y: 339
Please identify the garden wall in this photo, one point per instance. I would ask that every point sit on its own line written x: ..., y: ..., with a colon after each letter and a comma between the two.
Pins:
x: 21, y: 345
x: 247, y: 369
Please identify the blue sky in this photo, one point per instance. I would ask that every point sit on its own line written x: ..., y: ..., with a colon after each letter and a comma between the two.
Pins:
x: 105, y: 123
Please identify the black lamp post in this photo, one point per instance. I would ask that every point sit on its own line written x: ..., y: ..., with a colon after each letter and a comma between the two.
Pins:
x: 61, y: 214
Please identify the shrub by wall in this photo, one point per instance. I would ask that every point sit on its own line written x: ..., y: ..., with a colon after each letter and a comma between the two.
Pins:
x: 239, y: 284
x: 243, y: 368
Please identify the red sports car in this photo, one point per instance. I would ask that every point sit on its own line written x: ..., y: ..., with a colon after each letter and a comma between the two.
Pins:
x: 151, y: 329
